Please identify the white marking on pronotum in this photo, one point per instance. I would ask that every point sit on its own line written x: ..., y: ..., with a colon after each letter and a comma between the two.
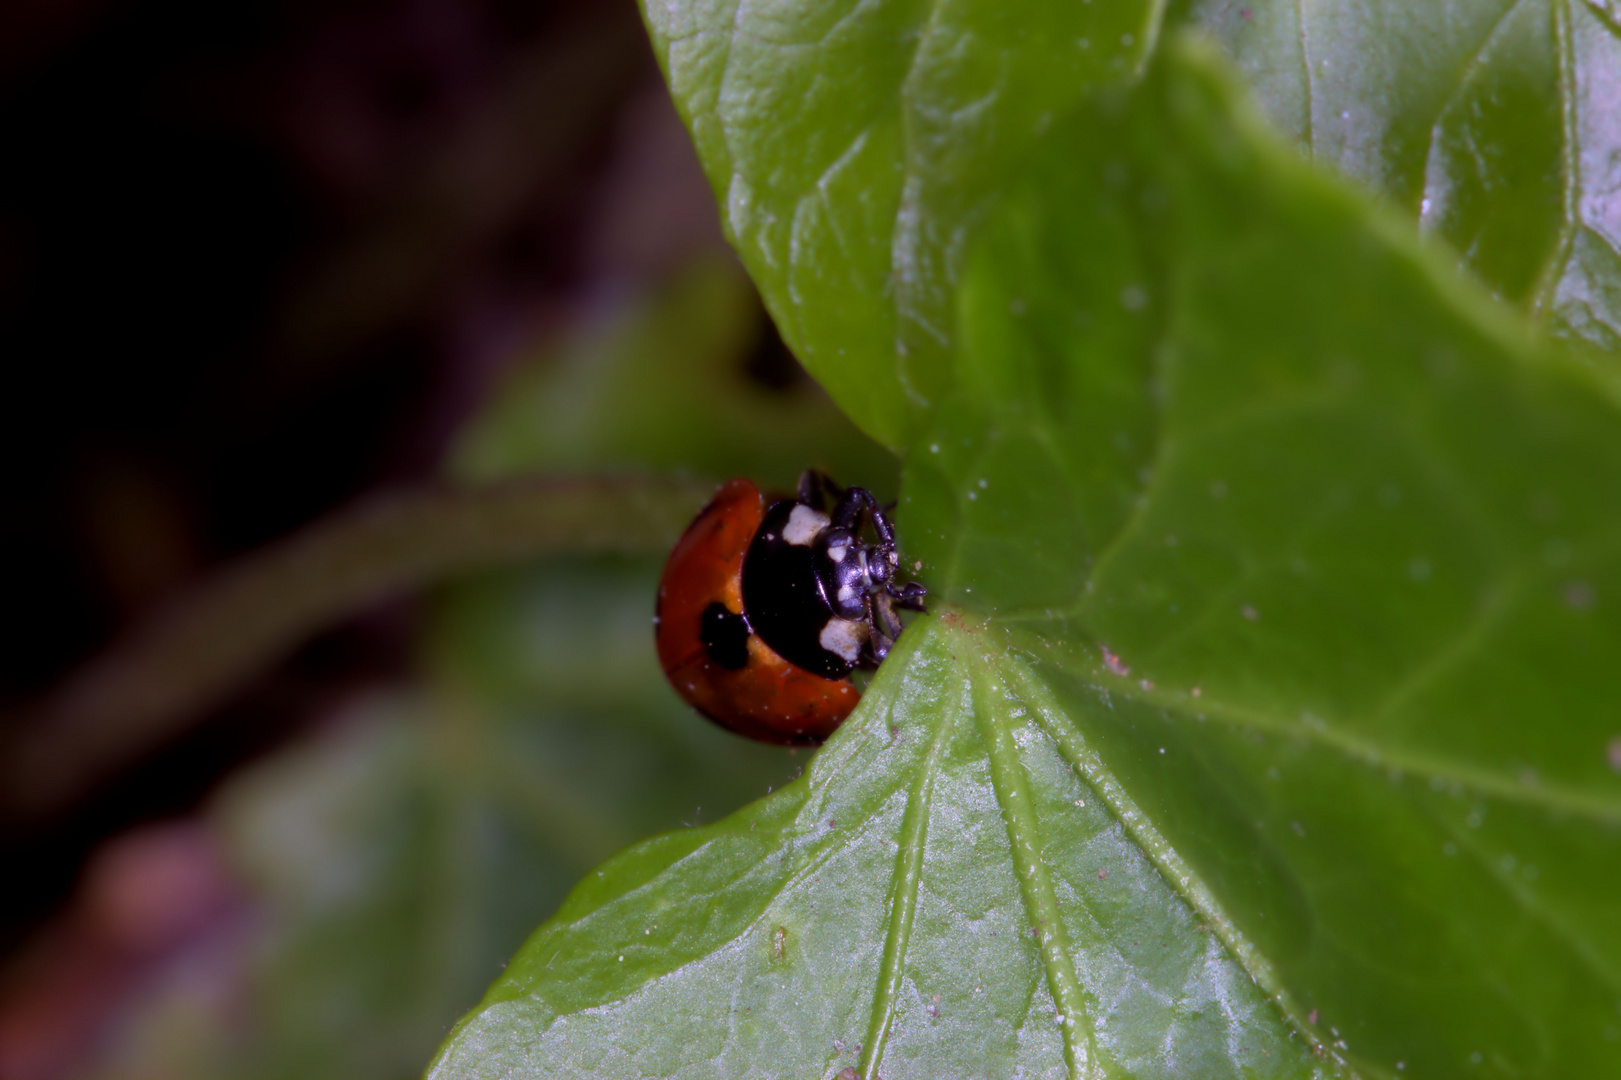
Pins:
x: 846, y: 593
x: 843, y: 637
x: 803, y: 525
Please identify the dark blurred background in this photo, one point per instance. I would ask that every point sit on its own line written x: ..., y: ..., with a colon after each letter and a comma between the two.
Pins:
x: 257, y: 259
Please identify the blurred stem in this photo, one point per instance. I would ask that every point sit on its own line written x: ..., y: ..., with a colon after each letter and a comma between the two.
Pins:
x: 150, y: 685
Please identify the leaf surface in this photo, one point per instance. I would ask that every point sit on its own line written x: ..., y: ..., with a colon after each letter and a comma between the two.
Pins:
x: 851, y: 143
x: 1496, y: 126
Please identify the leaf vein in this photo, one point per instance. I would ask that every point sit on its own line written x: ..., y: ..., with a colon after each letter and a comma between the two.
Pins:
x: 903, y: 895
x: 1089, y: 767
x: 1569, y: 167
x: 1580, y: 947
x: 1353, y: 748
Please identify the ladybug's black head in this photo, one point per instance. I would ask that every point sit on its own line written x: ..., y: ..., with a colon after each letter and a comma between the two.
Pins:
x: 857, y: 577
x: 851, y: 571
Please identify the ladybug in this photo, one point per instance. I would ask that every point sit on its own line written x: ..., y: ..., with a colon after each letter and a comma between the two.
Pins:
x: 765, y: 607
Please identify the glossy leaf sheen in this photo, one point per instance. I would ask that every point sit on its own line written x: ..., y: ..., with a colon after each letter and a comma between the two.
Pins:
x: 1496, y: 125
x: 1295, y: 591
x: 834, y: 136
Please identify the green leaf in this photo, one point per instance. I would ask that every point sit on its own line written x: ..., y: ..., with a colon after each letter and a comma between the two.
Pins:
x: 940, y: 894
x: 399, y: 857
x: 1275, y: 574
x: 849, y: 143
x: 852, y: 146
x: 1366, y: 529
x: 665, y: 384
x: 1496, y: 126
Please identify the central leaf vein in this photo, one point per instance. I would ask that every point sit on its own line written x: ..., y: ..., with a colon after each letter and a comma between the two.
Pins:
x: 1077, y: 1008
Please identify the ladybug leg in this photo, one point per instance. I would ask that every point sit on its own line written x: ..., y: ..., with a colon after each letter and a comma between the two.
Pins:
x: 816, y: 489
x: 909, y: 597
x: 882, y: 525
x: 884, y: 619
x: 855, y: 504
x: 810, y: 488
x: 882, y: 630
x: 873, y: 652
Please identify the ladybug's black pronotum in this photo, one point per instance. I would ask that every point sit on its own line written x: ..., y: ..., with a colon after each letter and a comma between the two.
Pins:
x: 765, y: 608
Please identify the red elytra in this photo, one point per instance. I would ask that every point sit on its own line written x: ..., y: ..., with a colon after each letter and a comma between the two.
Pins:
x: 767, y: 698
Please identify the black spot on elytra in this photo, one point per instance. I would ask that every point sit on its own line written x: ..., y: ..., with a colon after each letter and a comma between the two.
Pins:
x: 725, y: 635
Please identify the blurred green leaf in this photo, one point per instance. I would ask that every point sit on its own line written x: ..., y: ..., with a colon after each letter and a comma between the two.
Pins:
x: 239, y: 620
x: 1268, y: 555
x: 401, y: 857
x: 690, y: 378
